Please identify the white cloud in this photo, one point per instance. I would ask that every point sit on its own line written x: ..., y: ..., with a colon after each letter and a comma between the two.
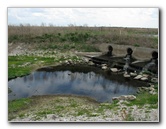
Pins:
x: 37, y: 14
x: 119, y: 17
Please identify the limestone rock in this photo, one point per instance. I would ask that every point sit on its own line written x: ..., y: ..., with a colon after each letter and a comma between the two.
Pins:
x: 152, y: 86
x: 144, y: 78
x: 70, y: 61
x: 128, y: 97
x: 104, y: 67
x: 122, y: 97
x: 145, y: 88
x: 133, y: 74
x: 155, y: 80
x: 145, y: 75
x: 114, y: 70
x: 90, y: 63
x: 115, y: 98
x: 138, y: 77
x: 151, y: 90
x: 85, y: 60
x: 126, y: 75
x: 125, y: 97
x: 67, y: 62
x: 131, y: 97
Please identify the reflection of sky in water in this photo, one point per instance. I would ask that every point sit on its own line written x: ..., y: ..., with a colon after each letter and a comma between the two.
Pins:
x: 66, y: 82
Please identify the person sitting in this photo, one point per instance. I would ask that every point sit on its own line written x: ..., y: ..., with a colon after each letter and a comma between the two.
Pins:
x: 110, y: 49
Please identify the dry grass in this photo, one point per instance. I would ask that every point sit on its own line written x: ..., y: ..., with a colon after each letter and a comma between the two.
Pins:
x: 79, y: 34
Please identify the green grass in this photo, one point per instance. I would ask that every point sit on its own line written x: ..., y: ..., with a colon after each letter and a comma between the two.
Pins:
x: 23, y: 65
x: 83, y: 112
x: 136, y: 45
x: 43, y: 113
x: 73, y: 104
x: 110, y: 106
x: 16, y: 105
x: 144, y: 98
x: 59, y: 108
x: 129, y: 117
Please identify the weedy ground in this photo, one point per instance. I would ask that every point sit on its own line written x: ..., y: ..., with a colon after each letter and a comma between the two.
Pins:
x: 76, y: 108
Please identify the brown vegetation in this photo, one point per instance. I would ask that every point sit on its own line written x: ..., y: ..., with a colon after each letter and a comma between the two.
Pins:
x: 143, y: 37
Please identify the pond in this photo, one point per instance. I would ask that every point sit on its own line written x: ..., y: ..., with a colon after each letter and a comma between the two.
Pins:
x: 76, y: 80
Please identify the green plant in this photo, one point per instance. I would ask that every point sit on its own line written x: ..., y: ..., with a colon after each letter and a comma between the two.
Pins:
x: 129, y: 117
x: 136, y: 45
x: 16, y: 105
x: 83, y: 112
x: 59, y: 108
x: 73, y: 104
x: 23, y: 65
x: 43, y: 113
x: 144, y: 98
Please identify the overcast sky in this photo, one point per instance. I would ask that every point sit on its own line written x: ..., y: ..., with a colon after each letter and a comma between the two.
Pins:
x: 114, y: 17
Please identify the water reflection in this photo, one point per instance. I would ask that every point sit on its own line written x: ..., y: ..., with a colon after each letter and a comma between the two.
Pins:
x: 67, y: 82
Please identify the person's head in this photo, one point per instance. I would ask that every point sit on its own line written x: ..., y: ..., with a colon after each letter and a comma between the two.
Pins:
x: 129, y: 51
x: 154, y: 55
x: 110, y: 48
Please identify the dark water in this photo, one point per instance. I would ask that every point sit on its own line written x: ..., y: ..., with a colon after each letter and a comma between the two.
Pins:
x: 101, y: 87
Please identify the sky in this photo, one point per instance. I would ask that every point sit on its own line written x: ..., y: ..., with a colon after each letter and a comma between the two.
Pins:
x: 113, y: 17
